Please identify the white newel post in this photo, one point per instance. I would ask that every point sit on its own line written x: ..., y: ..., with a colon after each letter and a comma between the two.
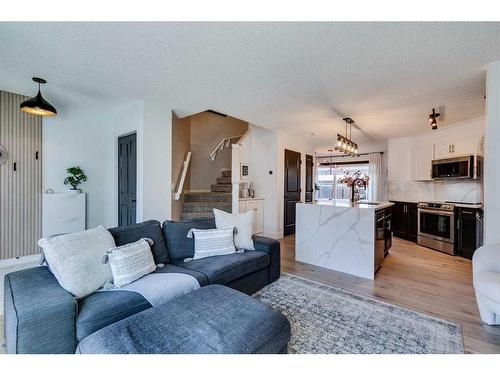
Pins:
x: 235, y: 177
x: 492, y: 156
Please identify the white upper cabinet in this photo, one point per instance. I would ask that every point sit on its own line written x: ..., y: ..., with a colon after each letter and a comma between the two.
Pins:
x: 457, y: 147
x: 422, y: 155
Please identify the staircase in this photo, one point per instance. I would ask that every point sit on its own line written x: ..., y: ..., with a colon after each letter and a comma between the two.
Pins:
x: 201, y: 205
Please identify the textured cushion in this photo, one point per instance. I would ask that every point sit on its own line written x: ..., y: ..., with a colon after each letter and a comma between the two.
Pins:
x: 75, y: 259
x: 130, y: 262
x: 243, y: 224
x: 214, y: 319
x: 226, y: 268
x: 148, y: 229
x: 212, y: 242
x: 179, y: 246
x: 104, y: 308
x: 39, y: 314
x: 170, y: 268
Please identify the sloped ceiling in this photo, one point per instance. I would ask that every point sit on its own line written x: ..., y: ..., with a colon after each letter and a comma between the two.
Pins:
x: 300, y: 76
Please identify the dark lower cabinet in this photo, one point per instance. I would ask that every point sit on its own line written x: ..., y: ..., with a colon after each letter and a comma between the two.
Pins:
x: 469, y: 231
x: 404, y: 220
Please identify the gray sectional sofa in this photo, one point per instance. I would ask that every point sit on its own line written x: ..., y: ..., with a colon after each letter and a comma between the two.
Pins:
x: 42, y: 317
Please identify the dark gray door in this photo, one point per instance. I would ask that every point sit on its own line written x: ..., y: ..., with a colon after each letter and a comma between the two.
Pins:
x: 127, y: 177
x: 292, y: 190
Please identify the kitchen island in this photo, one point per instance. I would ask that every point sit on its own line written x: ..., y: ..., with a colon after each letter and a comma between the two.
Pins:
x: 343, y: 236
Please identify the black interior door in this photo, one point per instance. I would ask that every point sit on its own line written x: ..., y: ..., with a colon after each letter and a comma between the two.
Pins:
x: 127, y: 176
x: 291, y: 190
x: 309, y: 178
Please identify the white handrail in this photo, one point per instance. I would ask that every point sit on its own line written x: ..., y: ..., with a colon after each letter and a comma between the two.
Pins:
x: 180, y: 186
x: 225, y: 142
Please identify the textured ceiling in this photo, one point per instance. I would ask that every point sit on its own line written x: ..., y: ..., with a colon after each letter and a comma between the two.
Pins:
x: 301, y: 76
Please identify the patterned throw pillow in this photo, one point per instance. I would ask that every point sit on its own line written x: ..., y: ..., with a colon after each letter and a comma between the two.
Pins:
x: 212, y: 242
x: 131, y: 261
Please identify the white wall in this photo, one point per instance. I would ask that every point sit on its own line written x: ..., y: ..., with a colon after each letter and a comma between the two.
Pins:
x: 86, y: 132
x: 492, y: 156
x: 79, y: 135
x: 157, y: 167
x: 127, y: 119
x: 259, y: 151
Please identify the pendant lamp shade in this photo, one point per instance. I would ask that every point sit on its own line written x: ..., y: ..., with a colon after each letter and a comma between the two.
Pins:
x: 38, y: 105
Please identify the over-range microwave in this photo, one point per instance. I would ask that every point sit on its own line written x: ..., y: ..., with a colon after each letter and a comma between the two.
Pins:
x: 459, y: 167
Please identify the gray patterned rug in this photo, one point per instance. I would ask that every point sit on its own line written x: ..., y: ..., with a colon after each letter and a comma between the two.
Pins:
x: 326, y: 319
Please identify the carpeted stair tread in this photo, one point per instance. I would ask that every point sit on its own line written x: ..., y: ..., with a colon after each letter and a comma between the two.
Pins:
x: 216, y: 188
x: 223, y: 180
x: 203, y: 207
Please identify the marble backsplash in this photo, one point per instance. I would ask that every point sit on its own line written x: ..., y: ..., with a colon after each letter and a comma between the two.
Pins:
x: 429, y: 191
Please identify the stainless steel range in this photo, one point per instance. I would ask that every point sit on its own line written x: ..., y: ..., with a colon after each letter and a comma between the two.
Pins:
x: 436, y: 226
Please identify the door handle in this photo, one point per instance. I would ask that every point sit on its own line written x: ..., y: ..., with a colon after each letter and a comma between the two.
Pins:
x: 133, y: 200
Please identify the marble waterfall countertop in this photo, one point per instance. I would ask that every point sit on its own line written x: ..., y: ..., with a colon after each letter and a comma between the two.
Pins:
x: 338, y: 235
x: 347, y: 203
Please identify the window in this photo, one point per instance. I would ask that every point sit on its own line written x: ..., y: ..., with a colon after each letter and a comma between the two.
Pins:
x: 330, y: 188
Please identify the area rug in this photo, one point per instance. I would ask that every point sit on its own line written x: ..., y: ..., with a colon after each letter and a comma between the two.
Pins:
x: 327, y: 319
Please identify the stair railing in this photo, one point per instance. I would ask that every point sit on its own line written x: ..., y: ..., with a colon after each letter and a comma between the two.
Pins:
x: 182, y: 178
x: 224, y: 143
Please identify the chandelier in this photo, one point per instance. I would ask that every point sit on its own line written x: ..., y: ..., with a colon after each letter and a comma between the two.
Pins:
x: 344, y: 144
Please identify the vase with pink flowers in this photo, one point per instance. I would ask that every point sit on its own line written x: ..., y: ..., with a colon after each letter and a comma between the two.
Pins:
x: 354, y: 181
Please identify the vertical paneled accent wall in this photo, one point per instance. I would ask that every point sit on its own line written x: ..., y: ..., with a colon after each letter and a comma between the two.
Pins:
x: 20, y: 179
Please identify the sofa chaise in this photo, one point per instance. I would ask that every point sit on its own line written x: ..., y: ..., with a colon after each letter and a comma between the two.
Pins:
x: 42, y: 317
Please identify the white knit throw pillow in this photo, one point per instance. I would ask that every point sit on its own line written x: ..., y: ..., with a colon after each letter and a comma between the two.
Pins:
x: 75, y: 259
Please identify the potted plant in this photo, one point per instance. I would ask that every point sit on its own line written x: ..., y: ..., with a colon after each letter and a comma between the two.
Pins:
x: 75, y: 177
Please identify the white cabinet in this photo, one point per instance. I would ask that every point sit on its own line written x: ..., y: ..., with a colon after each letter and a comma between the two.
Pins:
x: 457, y: 147
x: 422, y: 155
x: 63, y: 213
x: 257, y: 206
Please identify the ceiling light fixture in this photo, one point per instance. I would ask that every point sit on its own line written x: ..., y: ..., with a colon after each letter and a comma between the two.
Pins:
x: 38, y: 105
x: 432, y: 119
x: 345, y: 144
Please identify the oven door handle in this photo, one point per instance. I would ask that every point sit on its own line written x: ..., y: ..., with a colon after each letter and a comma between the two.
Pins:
x: 437, y: 212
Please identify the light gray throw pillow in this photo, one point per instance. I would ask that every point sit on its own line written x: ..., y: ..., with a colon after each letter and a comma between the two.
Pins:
x: 130, y: 262
x: 75, y: 259
x: 242, y: 222
x: 212, y: 242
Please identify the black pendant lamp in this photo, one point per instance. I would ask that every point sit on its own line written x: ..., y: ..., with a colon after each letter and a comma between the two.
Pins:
x: 38, y: 105
x: 432, y: 119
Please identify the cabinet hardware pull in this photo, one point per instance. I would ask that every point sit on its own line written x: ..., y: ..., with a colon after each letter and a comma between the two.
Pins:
x: 15, y: 166
x: 36, y: 155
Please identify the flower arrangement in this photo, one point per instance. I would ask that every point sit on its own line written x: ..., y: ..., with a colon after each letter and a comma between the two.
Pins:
x: 357, y: 179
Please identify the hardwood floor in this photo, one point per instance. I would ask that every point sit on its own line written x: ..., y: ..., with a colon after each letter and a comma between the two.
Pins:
x: 414, y: 277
